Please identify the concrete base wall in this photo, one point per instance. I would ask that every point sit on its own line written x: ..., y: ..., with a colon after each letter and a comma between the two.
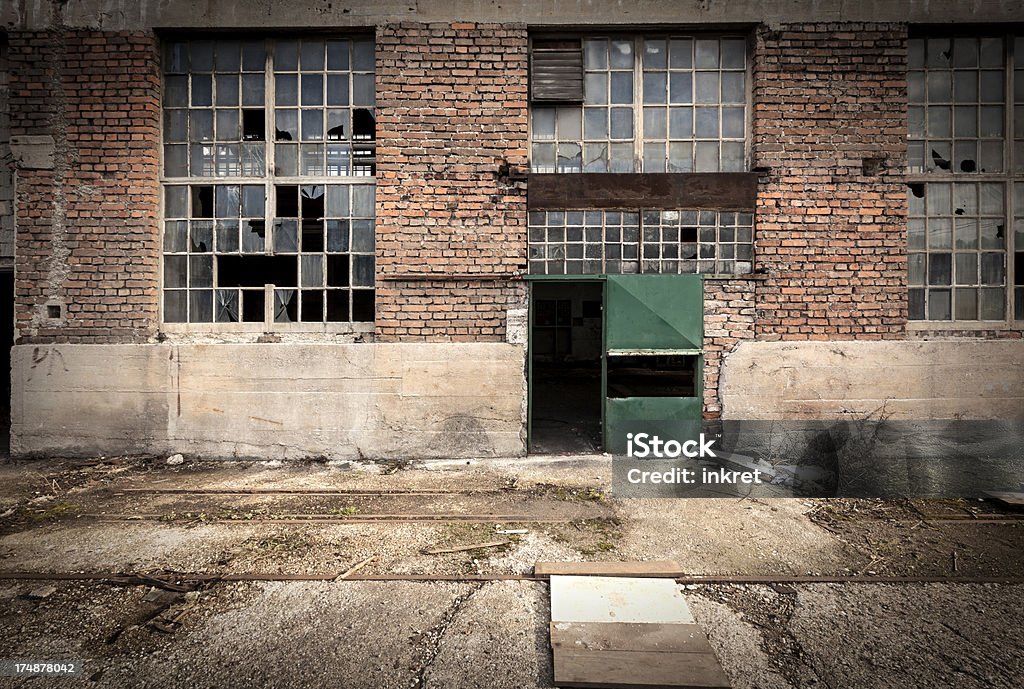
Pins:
x: 946, y: 379
x: 280, y: 401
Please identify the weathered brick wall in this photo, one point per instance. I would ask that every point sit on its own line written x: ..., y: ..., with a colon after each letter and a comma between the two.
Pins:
x: 729, y: 316
x: 453, y: 117
x: 829, y: 100
x: 87, y: 229
x: 6, y: 163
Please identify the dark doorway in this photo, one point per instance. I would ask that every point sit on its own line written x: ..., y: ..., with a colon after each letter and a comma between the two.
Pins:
x: 6, y: 342
x: 566, y: 343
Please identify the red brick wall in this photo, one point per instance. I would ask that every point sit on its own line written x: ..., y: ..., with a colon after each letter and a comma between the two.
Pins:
x: 831, y: 238
x: 453, y: 116
x: 87, y: 232
x: 729, y: 316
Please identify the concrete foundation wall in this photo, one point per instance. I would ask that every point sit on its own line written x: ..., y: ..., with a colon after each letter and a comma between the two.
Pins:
x: 944, y: 379
x: 274, y: 401
x: 135, y: 14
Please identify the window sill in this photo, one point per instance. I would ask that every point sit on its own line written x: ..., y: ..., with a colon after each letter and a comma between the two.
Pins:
x: 941, y: 327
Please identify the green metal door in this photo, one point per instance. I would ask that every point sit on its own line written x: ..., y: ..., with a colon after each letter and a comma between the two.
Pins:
x: 652, y: 323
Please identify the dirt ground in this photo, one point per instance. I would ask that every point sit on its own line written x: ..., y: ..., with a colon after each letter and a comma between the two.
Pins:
x: 198, y: 525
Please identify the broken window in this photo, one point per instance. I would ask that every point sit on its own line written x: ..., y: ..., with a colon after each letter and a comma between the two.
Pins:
x: 286, y: 234
x: 660, y: 103
x: 590, y: 242
x: 961, y: 236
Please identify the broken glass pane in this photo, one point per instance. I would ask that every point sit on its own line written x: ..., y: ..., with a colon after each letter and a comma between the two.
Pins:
x: 253, y: 236
x: 939, y: 52
x: 227, y: 306
x: 286, y: 236
x: 312, y: 306
x: 285, y: 305
x: 337, y: 125
x: 201, y: 236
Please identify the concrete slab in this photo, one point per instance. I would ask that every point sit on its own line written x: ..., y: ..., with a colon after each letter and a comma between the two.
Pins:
x: 617, y: 599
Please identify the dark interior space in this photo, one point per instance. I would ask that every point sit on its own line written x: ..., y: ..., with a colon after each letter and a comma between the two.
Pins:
x: 652, y: 375
x: 6, y: 342
x: 566, y: 345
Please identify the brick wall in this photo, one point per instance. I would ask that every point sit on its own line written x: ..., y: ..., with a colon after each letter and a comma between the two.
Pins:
x: 827, y: 97
x: 451, y: 225
x: 87, y: 230
x: 728, y: 320
x: 6, y: 164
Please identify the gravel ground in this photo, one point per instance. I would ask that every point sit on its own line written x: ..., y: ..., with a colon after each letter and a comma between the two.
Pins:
x: 450, y: 635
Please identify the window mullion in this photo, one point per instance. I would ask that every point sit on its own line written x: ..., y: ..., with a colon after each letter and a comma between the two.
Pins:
x: 638, y: 106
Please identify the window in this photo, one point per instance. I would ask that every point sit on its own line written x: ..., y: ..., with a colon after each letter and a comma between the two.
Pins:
x: 652, y: 241
x: 965, y: 226
x: 660, y: 103
x: 269, y: 159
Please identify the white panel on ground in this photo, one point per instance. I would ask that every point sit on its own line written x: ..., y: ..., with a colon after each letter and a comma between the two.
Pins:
x: 617, y: 599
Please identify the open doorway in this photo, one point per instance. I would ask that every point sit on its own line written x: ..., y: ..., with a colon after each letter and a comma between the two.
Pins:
x: 566, y: 345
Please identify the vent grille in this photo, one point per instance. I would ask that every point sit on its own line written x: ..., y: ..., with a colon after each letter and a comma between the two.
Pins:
x: 556, y: 71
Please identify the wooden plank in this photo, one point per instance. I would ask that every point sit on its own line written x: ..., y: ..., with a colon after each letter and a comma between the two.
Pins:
x: 628, y: 636
x: 1007, y: 498
x: 617, y: 599
x: 708, y: 190
x: 623, y: 669
x: 652, y: 568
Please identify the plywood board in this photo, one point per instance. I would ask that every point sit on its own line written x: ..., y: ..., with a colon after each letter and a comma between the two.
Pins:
x: 652, y: 568
x: 617, y: 599
x: 572, y: 637
x: 622, y: 669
